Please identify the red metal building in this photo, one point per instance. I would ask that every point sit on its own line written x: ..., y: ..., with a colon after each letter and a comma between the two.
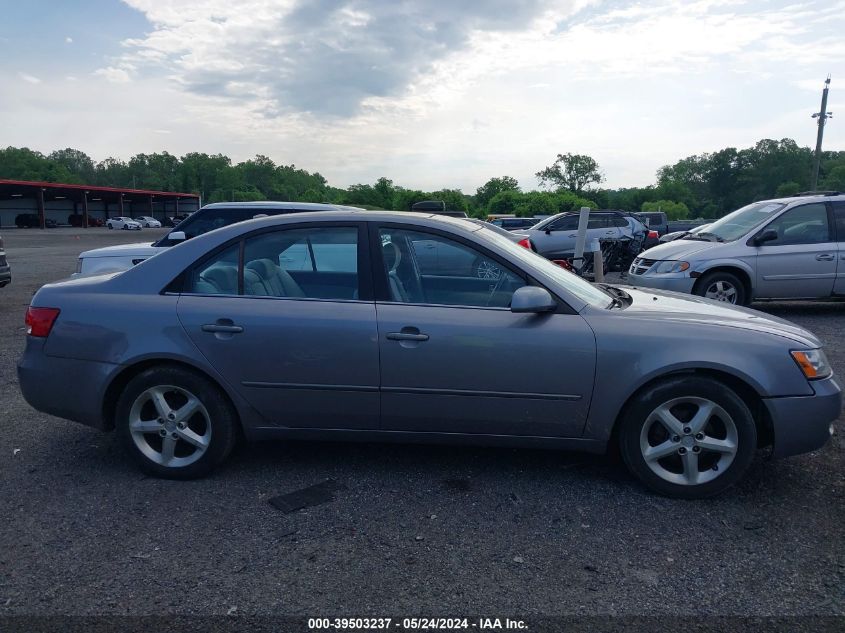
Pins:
x: 61, y: 201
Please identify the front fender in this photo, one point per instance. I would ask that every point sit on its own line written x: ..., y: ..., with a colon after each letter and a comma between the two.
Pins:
x: 631, y: 352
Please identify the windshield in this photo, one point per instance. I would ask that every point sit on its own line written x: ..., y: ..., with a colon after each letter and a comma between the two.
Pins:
x: 584, y: 290
x: 542, y: 224
x: 739, y: 223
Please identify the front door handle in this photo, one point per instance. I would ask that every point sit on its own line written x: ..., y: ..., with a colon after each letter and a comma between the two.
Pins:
x: 825, y: 257
x: 406, y: 336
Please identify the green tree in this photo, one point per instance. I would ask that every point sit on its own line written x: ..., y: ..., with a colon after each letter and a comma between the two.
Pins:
x: 571, y: 171
x: 787, y: 189
x: 485, y: 193
x: 673, y: 210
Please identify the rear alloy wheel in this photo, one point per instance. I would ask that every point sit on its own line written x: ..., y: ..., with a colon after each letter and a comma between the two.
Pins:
x: 688, y: 437
x: 176, y: 423
x: 722, y: 286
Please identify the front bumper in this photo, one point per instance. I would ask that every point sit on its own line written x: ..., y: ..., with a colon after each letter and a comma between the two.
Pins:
x: 803, y: 424
x: 5, y: 275
x: 67, y: 388
x: 674, y: 282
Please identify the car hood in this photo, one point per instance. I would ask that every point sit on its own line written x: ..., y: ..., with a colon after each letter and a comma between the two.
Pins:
x: 679, y: 249
x: 673, y: 306
x: 144, y: 249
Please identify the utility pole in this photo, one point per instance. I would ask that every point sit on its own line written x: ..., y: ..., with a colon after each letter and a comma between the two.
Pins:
x: 822, y: 116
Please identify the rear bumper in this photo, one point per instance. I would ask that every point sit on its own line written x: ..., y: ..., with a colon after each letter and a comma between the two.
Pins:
x: 67, y: 388
x: 5, y: 275
x: 804, y: 423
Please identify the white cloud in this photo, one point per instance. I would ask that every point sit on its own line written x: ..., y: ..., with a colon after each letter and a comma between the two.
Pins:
x: 68, y: 40
x: 30, y: 79
x: 114, y: 74
x: 436, y: 95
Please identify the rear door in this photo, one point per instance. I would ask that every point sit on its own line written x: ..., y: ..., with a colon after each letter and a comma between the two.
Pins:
x: 802, y: 262
x: 300, y: 345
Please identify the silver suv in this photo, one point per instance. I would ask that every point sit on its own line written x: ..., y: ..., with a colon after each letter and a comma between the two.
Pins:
x: 789, y: 248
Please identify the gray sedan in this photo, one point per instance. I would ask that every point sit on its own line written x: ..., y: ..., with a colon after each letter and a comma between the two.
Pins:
x: 328, y: 326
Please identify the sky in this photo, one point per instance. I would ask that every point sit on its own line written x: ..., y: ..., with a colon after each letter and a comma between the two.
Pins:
x: 430, y: 93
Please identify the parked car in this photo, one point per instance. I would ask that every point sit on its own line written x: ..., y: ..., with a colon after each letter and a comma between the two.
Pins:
x: 126, y: 224
x: 514, y: 224
x: 75, y: 219
x: 655, y: 221
x: 210, y: 217
x: 226, y: 335
x: 435, y: 256
x: 31, y: 221
x: 675, y: 235
x: 148, y: 222
x: 554, y: 237
x: 5, y: 269
x: 788, y: 248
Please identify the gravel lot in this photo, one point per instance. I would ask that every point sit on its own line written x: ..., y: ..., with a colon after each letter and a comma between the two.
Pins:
x: 417, y: 529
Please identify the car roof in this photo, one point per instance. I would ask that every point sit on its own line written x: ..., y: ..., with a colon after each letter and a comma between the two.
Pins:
x: 281, y: 206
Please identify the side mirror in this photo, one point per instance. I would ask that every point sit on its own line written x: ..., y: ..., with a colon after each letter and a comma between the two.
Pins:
x: 177, y: 236
x: 532, y: 299
x: 769, y: 235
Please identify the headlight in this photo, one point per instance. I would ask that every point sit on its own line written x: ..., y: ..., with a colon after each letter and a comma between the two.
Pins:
x: 669, y: 266
x: 812, y: 362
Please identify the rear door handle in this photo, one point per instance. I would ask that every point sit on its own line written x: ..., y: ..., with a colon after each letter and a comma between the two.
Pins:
x: 404, y: 336
x: 222, y: 327
x: 825, y: 257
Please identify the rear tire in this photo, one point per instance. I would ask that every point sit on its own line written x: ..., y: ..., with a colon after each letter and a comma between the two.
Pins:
x: 176, y: 423
x: 722, y: 286
x: 688, y: 437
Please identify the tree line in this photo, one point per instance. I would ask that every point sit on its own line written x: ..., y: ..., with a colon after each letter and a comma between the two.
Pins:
x: 699, y: 186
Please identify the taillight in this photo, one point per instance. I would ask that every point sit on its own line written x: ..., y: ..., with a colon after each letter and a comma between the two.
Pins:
x: 39, y: 321
x: 653, y: 235
x: 526, y: 243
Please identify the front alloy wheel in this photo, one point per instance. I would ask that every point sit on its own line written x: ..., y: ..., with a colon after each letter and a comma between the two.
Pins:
x: 688, y: 436
x: 688, y: 441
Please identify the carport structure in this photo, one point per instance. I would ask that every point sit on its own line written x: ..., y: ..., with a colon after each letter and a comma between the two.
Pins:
x: 52, y: 198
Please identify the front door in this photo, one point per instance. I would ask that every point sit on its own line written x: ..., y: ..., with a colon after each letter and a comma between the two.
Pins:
x: 292, y: 333
x: 801, y: 262
x: 455, y: 359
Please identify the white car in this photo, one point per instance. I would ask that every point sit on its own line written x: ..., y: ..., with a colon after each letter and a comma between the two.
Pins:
x: 127, y: 224
x: 148, y: 222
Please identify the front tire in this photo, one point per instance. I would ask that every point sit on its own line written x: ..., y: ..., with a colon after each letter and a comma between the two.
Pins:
x: 176, y: 423
x: 688, y: 437
x: 722, y: 286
